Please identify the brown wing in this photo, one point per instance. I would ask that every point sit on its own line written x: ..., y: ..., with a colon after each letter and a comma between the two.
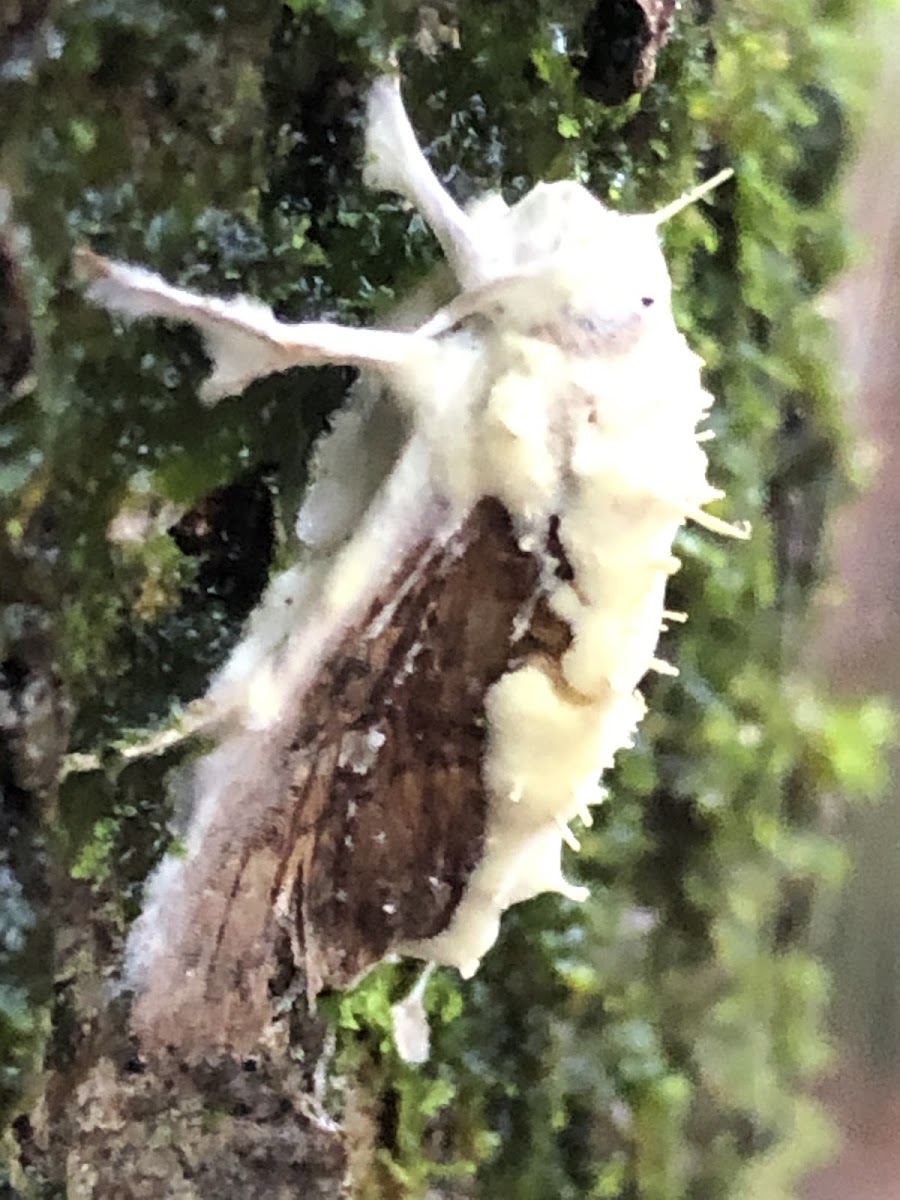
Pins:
x: 392, y: 839
x: 376, y: 810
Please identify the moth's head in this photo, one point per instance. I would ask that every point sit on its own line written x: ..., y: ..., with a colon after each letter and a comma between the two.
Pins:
x: 631, y: 268
x: 604, y: 270
x: 625, y: 256
x: 589, y: 265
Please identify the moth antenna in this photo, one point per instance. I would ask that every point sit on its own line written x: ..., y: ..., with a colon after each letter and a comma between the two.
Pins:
x: 691, y: 197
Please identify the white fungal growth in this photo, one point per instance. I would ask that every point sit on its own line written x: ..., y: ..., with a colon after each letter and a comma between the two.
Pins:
x: 359, y: 749
x: 573, y: 399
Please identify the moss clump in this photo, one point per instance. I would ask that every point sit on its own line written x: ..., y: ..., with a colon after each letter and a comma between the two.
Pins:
x: 654, y: 1044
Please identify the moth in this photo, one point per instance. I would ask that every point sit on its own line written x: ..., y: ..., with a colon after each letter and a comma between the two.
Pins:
x: 423, y: 705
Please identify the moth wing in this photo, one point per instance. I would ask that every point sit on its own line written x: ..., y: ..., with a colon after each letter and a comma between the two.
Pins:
x: 356, y: 824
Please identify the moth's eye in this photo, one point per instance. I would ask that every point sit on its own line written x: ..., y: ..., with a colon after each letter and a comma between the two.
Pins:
x: 647, y: 301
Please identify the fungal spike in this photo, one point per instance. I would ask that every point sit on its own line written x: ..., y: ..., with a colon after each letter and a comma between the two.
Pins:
x: 671, y: 614
x: 567, y: 835
x: 740, y: 531
x: 691, y: 197
x: 706, y: 435
x: 668, y: 566
x: 584, y: 814
x: 572, y: 892
x: 661, y: 667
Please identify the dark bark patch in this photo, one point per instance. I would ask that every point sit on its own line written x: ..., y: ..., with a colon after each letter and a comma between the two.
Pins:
x: 16, y: 337
x: 231, y: 532
x: 622, y: 39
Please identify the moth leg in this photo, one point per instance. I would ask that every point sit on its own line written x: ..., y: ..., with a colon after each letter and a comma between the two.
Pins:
x: 244, y: 338
x: 395, y: 163
x: 199, y: 717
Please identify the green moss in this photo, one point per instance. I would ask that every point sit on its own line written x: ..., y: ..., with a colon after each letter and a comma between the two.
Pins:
x: 653, y: 1044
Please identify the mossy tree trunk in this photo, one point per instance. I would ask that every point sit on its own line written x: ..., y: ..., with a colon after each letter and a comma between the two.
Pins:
x: 653, y: 1045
